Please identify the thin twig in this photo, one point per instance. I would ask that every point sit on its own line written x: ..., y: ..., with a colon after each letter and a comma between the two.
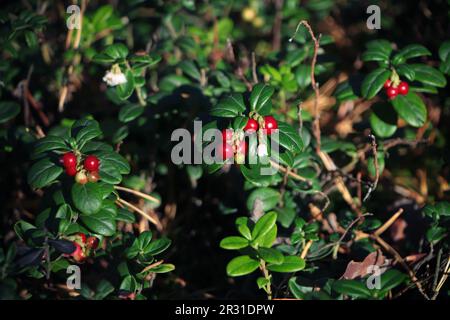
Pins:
x: 377, y: 168
x: 141, y: 212
x: 306, y: 249
x: 255, y: 76
x: 388, y: 223
x: 138, y: 193
x: 314, y: 84
x: 157, y: 263
x: 289, y: 172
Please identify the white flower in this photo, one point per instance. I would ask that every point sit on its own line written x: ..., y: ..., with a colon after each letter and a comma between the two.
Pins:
x: 114, y: 77
x: 262, y: 150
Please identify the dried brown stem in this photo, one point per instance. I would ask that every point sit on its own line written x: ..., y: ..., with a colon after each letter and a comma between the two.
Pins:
x: 138, y: 193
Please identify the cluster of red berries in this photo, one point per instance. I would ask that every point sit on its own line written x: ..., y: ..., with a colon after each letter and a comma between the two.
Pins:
x: 270, y: 124
x: 90, y: 164
x: 228, y: 151
x: 83, y: 246
x: 392, y: 91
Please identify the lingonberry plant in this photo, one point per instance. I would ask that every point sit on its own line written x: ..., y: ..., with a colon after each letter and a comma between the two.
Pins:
x: 330, y: 178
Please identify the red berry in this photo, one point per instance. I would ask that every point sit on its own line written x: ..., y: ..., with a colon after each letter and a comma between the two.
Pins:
x: 387, y: 84
x: 82, y: 236
x: 251, y: 126
x: 92, y: 242
x: 91, y: 163
x: 271, y: 124
x: 69, y: 159
x: 93, y: 176
x: 71, y: 171
x: 227, y: 134
x: 78, y: 255
x: 391, y: 92
x: 81, y: 178
x: 403, y: 87
x: 226, y: 152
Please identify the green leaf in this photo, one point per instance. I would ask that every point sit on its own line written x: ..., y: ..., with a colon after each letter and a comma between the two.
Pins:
x: 442, y: 209
x: 50, y: 143
x: 125, y: 215
x: 289, y: 138
x: 90, y: 131
x: 234, y: 243
x: 406, y: 71
x: 116, y: 51
x: 269, y: 198
x: 374, y: 55
x: 144, y: 61
x: 8, y: 110
x: 373, y: 82
x: 391, y: 279
x: 113, y: 159
x: 31, y: 38
x: 128, y: 284
x: 410, y: 108
x: 263, y: 226
x: 102, y: 223
x: 377, y: 50
x: 428, y: 75
x: 383, y: 120
x: 130, y: 112
x: 242, y: 226
x: 190, y: 69
x: 410, y: 51
x: 109, y: 173
x: 43, y: 173
x: 162, y: 268
x: 260, y: 98
x: 125, y: 90
x: 268, y: 239
x: 271, y: 255
x: 262, y: 282
x: 290, y: 264
x: 87, y: 197
x: 241, y: 265
x: 435, y: 234
x: 444, y: 50
x: 351, y: 288
x: 157, y: 246
x: 230, y: 107
x: 303, y: 76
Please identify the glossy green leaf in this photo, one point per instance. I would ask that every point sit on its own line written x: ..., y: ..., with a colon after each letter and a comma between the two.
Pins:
x: 101, y: 222
x: 234, y: 243
x: 428, y: 75
x: 271, y: 255
x: 43, y: 173
x: 87, y: 197
x: 230, y: 107
x: 383, y: 120
x: 410, y: 108
x: 269, y: 198
x: 290, y: 264
x: 263, y: 226
x: 8, y: 110
x: 353, y: 288
x: 410, y: 51
x: 130, y: 112
x: 241, y: 266
x: 260, y: 98
x: 374, y: 82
